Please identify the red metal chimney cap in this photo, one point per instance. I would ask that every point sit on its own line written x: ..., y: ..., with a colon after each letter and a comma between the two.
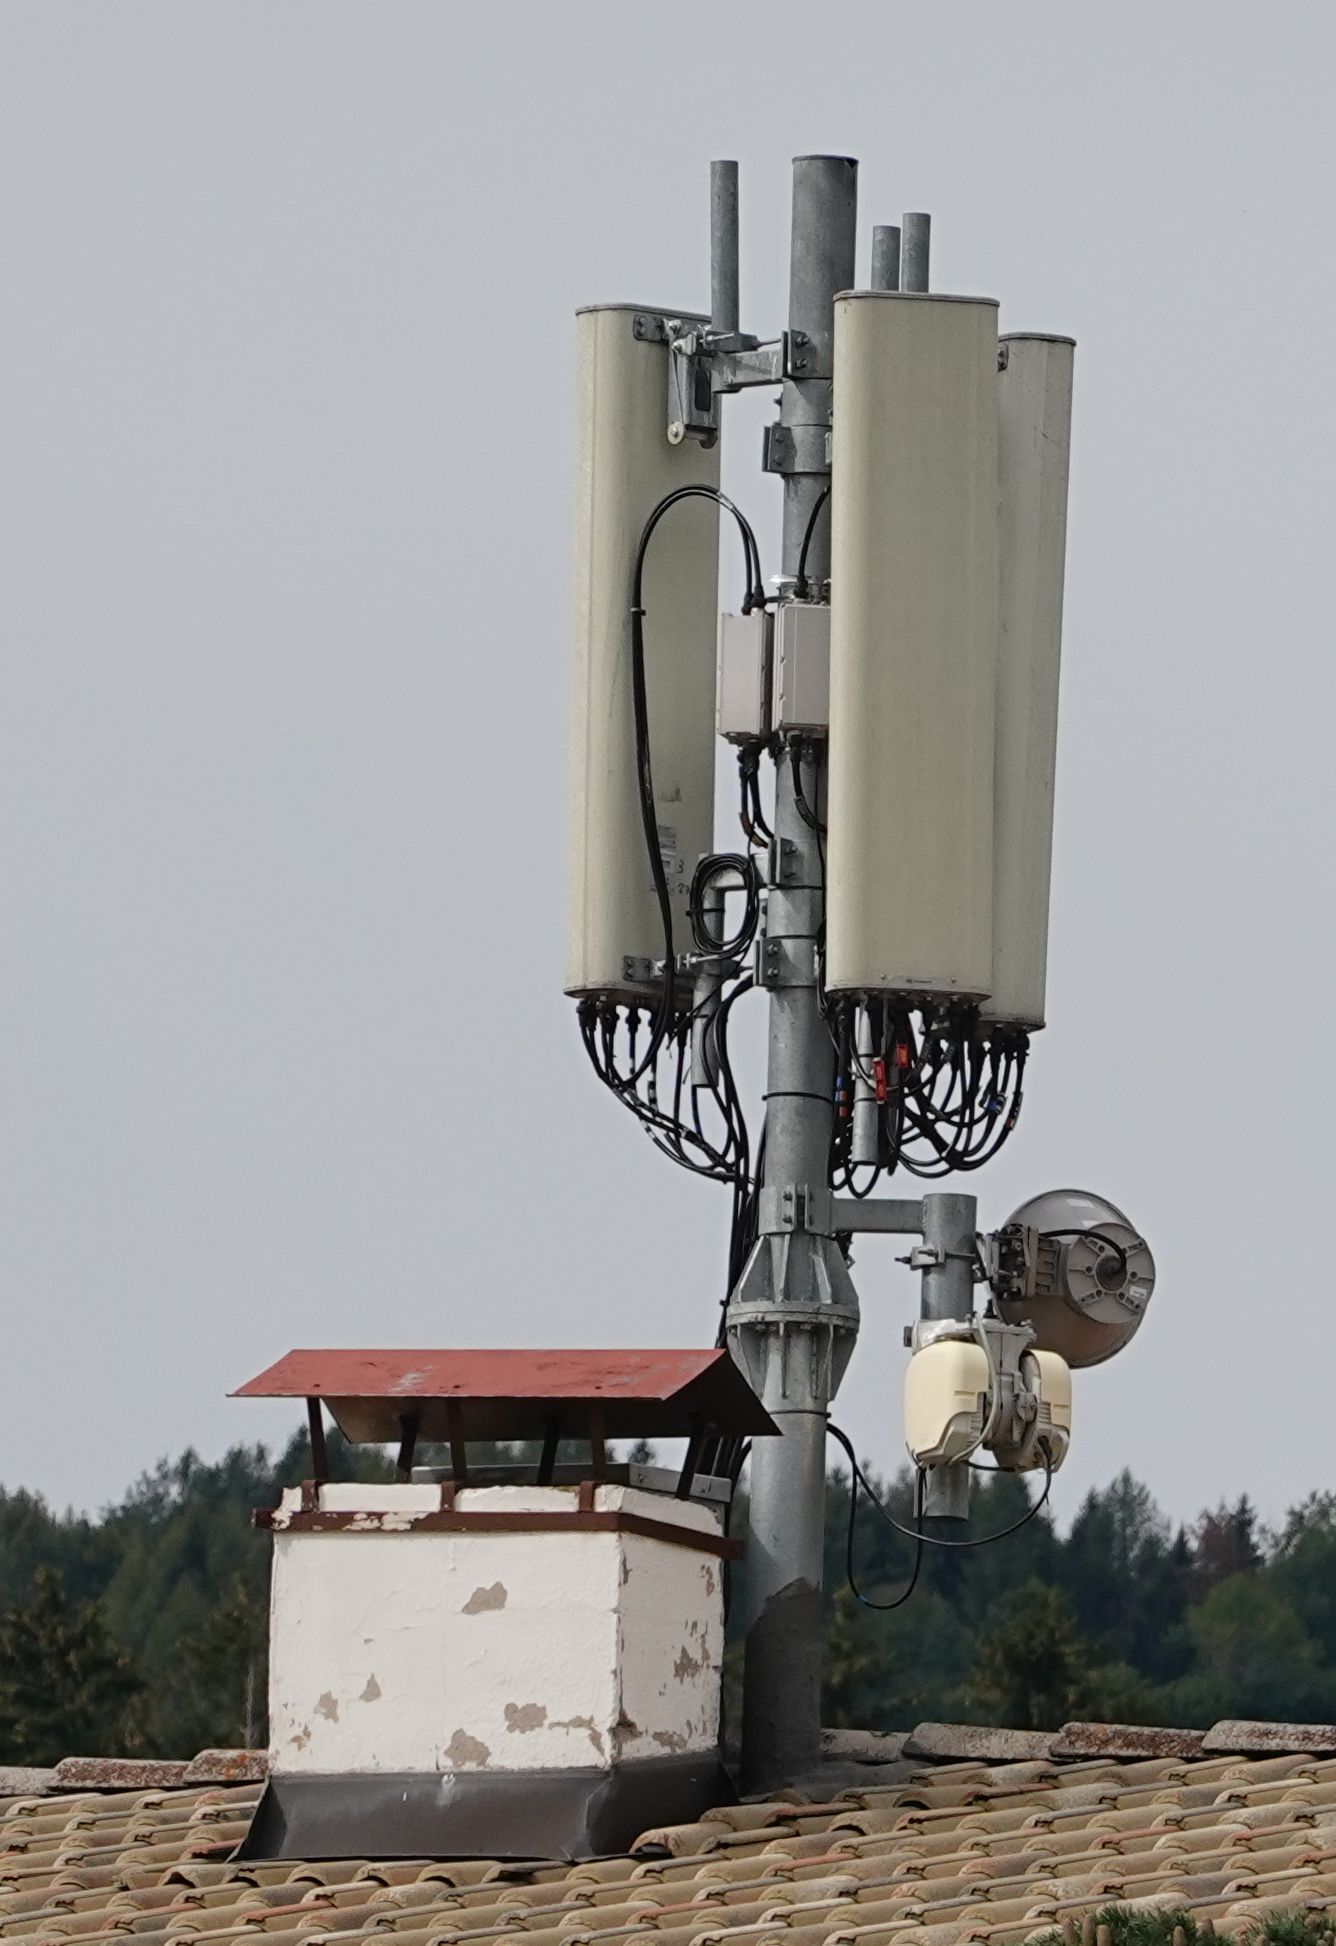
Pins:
x: 510, y: 1394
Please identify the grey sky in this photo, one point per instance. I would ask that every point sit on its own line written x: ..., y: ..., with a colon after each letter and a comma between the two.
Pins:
x: 284, y: 509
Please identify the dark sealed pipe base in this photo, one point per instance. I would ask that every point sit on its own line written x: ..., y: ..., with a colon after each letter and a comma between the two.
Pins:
x: 534, y: 1814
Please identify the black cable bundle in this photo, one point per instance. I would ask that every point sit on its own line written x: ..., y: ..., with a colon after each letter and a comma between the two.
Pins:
x: 948, y: 1092
x: 644, y: 1055
x: 750, y: 815
x: 857, y: 1479
x: 721, y: 865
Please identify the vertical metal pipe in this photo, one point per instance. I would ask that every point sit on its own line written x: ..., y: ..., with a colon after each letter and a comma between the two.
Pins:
x: 950, y: 1229
x: 915, y: 247
x: 796, y: 1354
x: 822, y: 261
x: 724, y: 302
x: 863, y: 1135
x: 886, y: 257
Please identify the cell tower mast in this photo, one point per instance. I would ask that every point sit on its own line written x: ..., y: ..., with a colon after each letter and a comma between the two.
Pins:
x: 901, y: 674
x: 793, y: 1317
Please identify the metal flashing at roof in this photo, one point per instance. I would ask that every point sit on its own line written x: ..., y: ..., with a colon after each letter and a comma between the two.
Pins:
x: 534, y: 1815
x: 516, y: 1394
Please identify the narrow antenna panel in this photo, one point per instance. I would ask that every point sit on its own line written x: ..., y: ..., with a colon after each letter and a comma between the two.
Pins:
x: 913, y: 606
x: 1033, y: 449
x: 625, y: 467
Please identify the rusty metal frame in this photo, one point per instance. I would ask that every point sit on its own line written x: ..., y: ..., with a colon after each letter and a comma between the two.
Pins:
x: 315, y: 1425
x: 450, y: 1520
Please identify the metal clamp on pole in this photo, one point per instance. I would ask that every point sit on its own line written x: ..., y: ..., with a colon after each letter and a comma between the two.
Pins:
x: 795, y: 1206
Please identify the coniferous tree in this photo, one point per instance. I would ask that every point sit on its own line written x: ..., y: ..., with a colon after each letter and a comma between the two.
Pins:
x: 1029, y: 1668
x: 65, y: 1688
x: 160, y: 1601
x: 1225, y: 1543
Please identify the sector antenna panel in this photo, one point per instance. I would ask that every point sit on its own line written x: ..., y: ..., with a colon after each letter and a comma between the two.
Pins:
x: 625, y: 466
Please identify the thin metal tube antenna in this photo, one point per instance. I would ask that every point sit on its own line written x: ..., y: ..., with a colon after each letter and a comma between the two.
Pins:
x: 886, y: 257
x: 863, y: 1142
x: 725, y: 308
x: 915, y: 248
x: 793, y: 1315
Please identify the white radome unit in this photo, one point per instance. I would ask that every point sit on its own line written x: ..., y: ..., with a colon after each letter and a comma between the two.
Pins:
x: 958, y: 1403
x: 913, y: 605
x: 1034, y: 443
x: 625, y: 466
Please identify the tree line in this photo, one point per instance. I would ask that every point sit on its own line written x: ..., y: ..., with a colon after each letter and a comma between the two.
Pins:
x: 142, y: 1630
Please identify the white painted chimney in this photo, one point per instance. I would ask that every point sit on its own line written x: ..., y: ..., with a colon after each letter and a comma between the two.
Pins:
x: 521, y: 1669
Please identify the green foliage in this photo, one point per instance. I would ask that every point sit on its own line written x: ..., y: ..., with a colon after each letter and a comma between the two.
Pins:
x: 1122, y: 1925
x: 64, y: 1685
x: 1292, y: 1929
x: 1029, y: 1667
x: 1254, y: 1656
x: 144, y: 1630
x: 1124, y: 1620
x: 218, y: 1698
x: 1034, y: 1671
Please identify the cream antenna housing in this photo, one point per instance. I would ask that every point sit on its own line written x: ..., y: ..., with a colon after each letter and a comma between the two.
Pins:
x: 912, y: 621
x: 1034, y: 396
x: 979, y: 1385
x: 626, y: 466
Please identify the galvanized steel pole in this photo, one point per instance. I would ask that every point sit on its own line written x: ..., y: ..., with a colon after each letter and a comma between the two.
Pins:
x: 724, y: 299
x: 950, y: 1233
x: 794, y: 1314
x: 915, y: 248
x: 886, y: 257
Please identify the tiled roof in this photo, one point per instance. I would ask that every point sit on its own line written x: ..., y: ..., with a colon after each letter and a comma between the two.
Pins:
x: 897, y: 1847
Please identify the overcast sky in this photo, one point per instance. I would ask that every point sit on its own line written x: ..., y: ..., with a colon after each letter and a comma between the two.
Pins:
x: 285, y: 459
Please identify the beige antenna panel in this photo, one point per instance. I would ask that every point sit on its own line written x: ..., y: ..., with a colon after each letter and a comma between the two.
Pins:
x: 1034, y: 445
x: 625, y: 466
x: 913, y: 605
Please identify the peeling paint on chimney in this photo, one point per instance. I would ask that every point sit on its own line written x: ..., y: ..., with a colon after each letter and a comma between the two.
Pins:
x: 466, y: 1753
x: 483, y: 1601
x: 686, y: 1665
x: 499, y: 1648
x: 586, y: 1723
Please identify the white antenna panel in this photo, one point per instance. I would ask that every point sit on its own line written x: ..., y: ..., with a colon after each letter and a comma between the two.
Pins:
x: 625, y: 467
x: 913, y: 605
x: 1034, y: 445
